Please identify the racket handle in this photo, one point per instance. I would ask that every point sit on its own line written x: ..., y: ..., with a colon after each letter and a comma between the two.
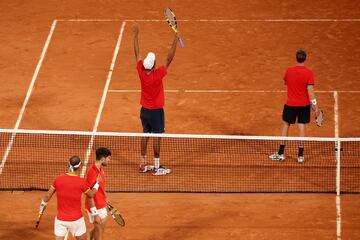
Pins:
x: 181, y: 42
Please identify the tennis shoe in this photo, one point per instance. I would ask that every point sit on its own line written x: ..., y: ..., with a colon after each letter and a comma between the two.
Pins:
x: 143, y: 168
x: 160, y: 171
x: 277, y: 157
x: 301, y: 159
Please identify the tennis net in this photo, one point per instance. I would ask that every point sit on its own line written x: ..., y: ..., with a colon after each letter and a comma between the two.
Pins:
x: 199, y: 163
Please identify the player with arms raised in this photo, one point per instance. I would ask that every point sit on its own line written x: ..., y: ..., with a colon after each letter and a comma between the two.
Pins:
x: 152, y: 101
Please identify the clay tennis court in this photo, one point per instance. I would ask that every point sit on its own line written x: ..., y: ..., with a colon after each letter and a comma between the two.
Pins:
x: 226, y: 81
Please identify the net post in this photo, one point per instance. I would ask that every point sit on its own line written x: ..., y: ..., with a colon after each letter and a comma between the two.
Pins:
x: 338, y: 165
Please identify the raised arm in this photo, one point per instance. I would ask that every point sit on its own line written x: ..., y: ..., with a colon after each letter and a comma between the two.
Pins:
x: 314, y: 104
x: 172, y: 51
x: 136, y: 42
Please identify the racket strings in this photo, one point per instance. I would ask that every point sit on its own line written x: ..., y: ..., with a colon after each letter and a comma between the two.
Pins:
x: 170, y: 16
x: 116, y: 215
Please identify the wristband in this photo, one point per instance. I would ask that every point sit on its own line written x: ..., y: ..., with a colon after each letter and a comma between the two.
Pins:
x: 313, y: 101
x: 94, y: 211
x: 96, y: 186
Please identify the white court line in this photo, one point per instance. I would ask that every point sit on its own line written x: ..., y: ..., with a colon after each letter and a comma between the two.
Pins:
x: 222, y: 91
x: 338, y: 217
x: 103, y: 98
x: 338, y: 191
x: 28, y: 94
x: 219, y: 20
x: 338, y: 166
x: 136, y: 91
x: 336, y: 114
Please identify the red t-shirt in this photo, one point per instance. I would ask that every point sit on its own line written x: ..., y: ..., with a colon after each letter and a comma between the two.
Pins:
x: 297, y: 78
x: 152, y: 89
x: 69, y: 188
x: 91, y: 177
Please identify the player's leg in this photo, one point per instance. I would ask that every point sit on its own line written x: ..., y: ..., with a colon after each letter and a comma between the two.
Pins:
x: 82, y: 237
x: 158, y: 126
x: 301, y: 146
x: 97, y: 231
x: 92, y: 232
x: 143, y: 160
x: 284, y: 133
x: 303, y: 119
x: 288, y: 117
x: 60, y: 229
x: 78, y: 228
x: 144, y: 116
x: 156, y: 148
x: 100, y: 228
x: 301, y: 129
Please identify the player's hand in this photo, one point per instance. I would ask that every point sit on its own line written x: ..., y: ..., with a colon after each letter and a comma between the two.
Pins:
x: 97, y: 219
x: 317, y: 114
x: 135, y: 29
x: 42, y: 207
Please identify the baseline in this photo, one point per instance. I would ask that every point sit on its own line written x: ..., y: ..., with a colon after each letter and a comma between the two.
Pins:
x: 219, y: 20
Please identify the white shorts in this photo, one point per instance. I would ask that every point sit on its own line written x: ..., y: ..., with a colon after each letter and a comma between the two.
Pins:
x: 102, y: 214
x: 76, y: 228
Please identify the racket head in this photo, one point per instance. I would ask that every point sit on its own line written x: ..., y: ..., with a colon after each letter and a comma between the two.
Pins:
x: 170, y: 18
x: 116, y: 215
x: 319, y: 119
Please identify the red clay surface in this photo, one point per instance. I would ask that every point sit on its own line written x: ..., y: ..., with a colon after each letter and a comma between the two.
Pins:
x: 248, y: 56
x: 199, y: 216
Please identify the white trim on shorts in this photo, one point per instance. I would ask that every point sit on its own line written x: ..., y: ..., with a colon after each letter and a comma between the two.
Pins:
x: 76, y: 228
x: 102, y: 214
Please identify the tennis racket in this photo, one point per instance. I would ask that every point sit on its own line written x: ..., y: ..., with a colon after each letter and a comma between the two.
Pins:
x: 38, y: 219
x: 116, y: 215
x: 171, y: 19
x: 319, y: 119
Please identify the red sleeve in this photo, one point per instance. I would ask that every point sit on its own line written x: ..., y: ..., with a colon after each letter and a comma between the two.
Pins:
x: 285, y: 75
x: 139, y: 66
x: 53, y: 185
x: 84, y: 186
x: 311, y: 79
x: 91, y: 178
x: 162, y: 71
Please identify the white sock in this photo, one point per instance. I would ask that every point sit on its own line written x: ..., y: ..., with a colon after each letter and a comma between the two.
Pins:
x: 157, y: 162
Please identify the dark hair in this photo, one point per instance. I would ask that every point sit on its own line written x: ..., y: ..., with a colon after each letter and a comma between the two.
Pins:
x: 73, y: 161
x: 102, y: 152
x: 300, y: 55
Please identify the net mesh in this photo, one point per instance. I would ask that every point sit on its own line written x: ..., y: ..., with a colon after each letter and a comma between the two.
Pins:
x: 198, y: 163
